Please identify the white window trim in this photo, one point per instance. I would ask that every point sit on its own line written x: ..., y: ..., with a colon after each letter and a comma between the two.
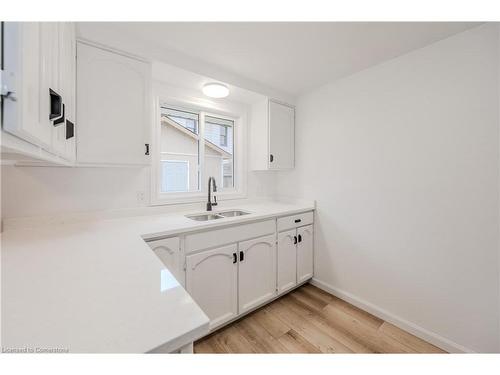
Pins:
x: 239, y: 157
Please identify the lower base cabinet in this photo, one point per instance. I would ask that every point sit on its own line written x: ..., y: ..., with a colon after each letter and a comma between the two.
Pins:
x: 230, y: 280
x: 234, y: 279
x: 256, y: 272
x: 169, y: 252
x: 295, y: 257
x: 287, y: 260
x: 212, y: 281
x: 304, y: 253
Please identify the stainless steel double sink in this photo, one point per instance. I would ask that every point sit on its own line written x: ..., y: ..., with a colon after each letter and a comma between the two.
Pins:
x: 217, y: 215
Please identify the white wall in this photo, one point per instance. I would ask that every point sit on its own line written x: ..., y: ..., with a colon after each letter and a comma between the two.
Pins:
x: 403, y: 160
x: 41, y: 191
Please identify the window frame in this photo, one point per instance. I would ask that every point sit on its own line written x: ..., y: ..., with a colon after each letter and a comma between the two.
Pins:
x: 199, y: 106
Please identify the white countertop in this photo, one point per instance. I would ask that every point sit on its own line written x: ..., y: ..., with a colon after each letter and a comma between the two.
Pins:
x: 96, y: 286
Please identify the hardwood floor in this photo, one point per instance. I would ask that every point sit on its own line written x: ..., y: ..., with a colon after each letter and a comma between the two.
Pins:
x: 309, y: 320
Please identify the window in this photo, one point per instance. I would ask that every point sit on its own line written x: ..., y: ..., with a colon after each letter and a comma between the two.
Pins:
x: 219, y: 133
x: 193, y: 146
x: 175, y: 176
x: 185, y: 119
x: 223, y: 136
x: 179, y: 142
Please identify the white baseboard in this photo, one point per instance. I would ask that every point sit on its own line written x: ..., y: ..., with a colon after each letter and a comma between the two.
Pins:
x: 414, y: 329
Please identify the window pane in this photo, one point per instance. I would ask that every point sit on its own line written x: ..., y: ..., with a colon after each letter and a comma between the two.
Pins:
x: 185, y: 119
x: 179, y: 152
x: 175, y: 176
x: 219, y: 150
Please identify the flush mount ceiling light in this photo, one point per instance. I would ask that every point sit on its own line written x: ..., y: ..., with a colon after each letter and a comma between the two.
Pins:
x: 215, y: 90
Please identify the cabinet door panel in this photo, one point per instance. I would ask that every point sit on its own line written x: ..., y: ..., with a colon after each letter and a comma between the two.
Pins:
x: 281, y: 135
x: 169, y: 252
x: 257, y: 272
x: 287, y: 260
x: 114, y: 108
x: 211, y: 279
x: 27, y: 51
x: 305, y: 253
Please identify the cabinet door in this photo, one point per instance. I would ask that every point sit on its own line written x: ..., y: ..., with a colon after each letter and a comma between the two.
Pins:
x: 212, y: 279
x: 281, y: 136
x: 304, y: 253
x: 114, y: 107
x: 257, y: 272
x: 287, y: 260
x: 27, y: 68
x: 169, y: 252
x: 64, y: 85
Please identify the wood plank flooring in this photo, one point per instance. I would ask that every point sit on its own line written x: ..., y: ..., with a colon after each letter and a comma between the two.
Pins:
x: 309, y: 320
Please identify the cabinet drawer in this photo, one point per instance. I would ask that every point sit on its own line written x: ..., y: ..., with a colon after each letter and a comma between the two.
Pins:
x: 219, y: 237
x: 295, y: 221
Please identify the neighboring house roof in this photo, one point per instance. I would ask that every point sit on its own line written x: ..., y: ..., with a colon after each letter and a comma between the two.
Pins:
x: 167, y: 121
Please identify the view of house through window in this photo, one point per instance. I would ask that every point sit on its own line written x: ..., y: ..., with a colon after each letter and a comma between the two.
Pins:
x: 219, y: 159
x: 180, y: 164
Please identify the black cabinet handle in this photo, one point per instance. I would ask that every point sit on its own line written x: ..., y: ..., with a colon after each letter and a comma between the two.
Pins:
x: 55, y: 105
x: 60, y: 120
x: 294, y: 240
x: 298, y: 220
x: 242, y: 256
x: 70, y: 129
x: 147, y: 149
x: 235, y: 258
x: 271, y: 158
x: 300, y: 238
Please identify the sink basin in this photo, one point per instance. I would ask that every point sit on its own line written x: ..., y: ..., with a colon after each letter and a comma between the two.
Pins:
x: 233, y: 213
x: 204, y: 217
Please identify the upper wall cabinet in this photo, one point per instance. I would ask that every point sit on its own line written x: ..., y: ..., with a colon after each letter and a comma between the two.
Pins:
x: 272, y: 136
x: 38, y: 88
x: 114, y: 107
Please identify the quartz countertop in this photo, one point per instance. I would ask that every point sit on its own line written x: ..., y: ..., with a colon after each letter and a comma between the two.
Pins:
x: 95, y: 286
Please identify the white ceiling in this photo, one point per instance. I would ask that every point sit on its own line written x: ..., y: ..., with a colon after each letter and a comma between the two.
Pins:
x: 290, y: 57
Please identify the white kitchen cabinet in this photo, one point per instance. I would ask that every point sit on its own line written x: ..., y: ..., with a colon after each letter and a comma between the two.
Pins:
x: 169, y: 252
x: 272, y: 136
x: 256, y: 272
x: 212, y: 281
x: 295, y: 250
x: 287, y: 260
x: 235, y: 269
x: 114, y: 107
x: 63, y: 139
x: 37, y: 59
x: 26, y: 53
x: 304, y: 253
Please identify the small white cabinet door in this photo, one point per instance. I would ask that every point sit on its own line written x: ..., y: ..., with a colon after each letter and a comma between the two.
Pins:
x: 281, y: 136
x: 212, y: 281
x: 257, y: 272
x: 169, y: 252
x: 304, y: 253
x: 27, y: 62
x: 114, y: 107
x: 287, y: 260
